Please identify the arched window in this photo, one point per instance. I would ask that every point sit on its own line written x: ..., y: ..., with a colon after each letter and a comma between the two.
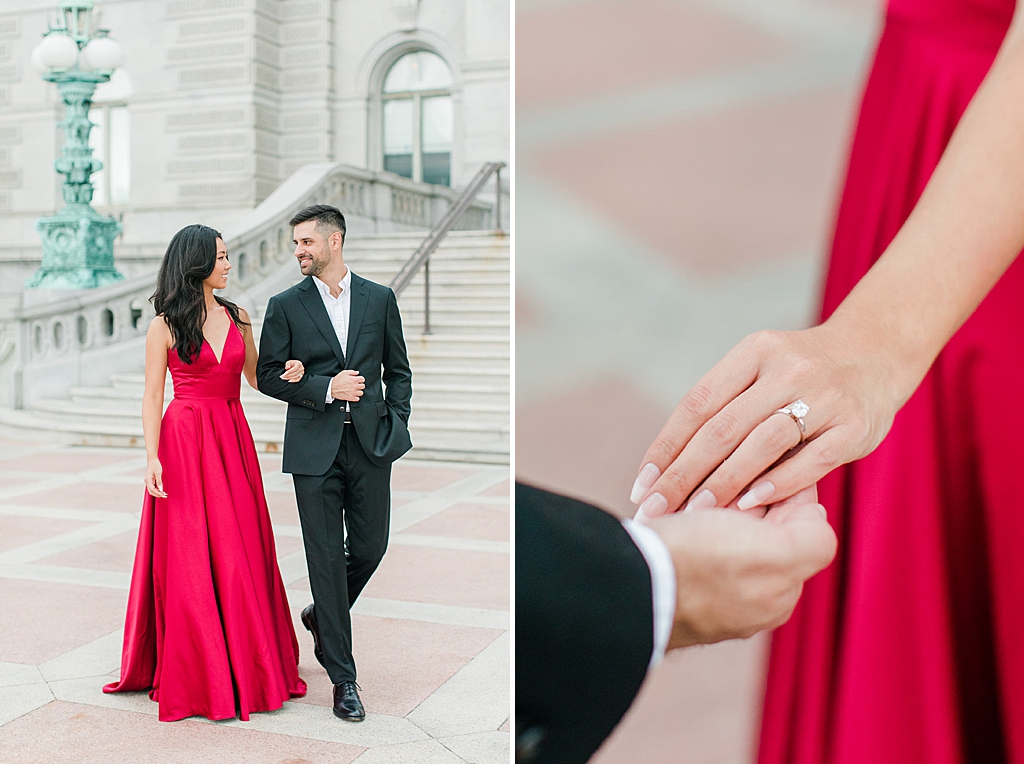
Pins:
x: 417, y: 111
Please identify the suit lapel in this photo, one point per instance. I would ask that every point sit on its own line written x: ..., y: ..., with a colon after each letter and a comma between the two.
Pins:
x: 356, y: 310
x: 311, y: 300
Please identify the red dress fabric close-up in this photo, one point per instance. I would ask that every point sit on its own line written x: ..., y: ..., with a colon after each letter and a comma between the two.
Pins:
x: 208, y: 630
x: 910, y: 647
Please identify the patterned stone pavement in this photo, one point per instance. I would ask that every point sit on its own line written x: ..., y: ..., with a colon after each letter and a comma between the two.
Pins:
x: 677, y: 168
x: 431, y: 630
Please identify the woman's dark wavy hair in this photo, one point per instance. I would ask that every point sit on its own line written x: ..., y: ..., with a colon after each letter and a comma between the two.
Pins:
x: 179, y: 297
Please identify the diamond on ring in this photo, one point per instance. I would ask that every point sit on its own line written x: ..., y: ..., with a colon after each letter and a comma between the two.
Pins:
x: 796, y: 411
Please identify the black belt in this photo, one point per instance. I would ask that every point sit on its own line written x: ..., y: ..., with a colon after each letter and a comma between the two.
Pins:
x: 348, y: 417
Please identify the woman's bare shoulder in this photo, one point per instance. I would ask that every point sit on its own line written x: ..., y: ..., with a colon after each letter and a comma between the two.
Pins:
x: 158, y: 328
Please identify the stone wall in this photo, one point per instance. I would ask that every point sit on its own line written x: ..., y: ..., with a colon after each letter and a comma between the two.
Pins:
x: 227, y: 98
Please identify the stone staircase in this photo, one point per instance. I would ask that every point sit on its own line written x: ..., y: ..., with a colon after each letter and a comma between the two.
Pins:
x: 461, y: 371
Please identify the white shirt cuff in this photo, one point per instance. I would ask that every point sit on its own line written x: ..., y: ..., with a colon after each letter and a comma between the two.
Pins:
x: 663, y: 583
x: 330, y: 397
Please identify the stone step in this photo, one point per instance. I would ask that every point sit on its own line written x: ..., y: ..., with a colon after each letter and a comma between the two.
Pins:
x: 456, y: 292
x: 413, y: 301
x: 470, y: 394
x: 435, y: 441
x: 482, y: 358
x: 465, y: 321
x: 361, y: 263
x: 454, y: 342
x: 443, y: 321
x: 461, y: 398
x: 443, y: 257
x: 494, y: 415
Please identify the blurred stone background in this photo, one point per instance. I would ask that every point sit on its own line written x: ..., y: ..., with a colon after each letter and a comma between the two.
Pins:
x: 678, y: 165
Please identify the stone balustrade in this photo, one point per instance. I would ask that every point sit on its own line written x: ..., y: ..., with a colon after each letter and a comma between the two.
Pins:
x: 59, y: 339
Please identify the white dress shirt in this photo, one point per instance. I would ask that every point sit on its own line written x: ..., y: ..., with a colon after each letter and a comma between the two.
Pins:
x: 663, y: 583
x: 338, y: 311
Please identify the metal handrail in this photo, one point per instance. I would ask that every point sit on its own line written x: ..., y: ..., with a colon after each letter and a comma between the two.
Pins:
x: 421, y: 257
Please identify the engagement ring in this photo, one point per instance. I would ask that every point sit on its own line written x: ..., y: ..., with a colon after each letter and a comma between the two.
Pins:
x: 796, y: 411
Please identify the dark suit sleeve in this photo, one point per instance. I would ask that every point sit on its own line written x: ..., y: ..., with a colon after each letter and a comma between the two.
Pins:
x: 275, y: 350
x: 397, y: 375
x: 584, y: 626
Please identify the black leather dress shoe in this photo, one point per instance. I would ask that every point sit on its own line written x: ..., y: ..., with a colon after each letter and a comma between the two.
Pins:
x: 347, y: 704
x: 308, y: 619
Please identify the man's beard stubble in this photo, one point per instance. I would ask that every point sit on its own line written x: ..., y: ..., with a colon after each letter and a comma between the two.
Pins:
x: 320, y: 262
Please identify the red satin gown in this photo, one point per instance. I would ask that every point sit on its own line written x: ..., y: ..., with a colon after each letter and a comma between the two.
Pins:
x: 909, y: 649
x: 208, y: 630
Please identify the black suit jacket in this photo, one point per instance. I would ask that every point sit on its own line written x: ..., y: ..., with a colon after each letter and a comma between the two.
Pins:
x: 296, y: 325
x: 584, y: 626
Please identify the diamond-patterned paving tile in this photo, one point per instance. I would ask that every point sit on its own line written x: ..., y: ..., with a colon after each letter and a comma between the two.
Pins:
x: 13, y: 481
x: 287, y: 545
x: 43, y: 620
x: 408, y: 660
x: 467, y: 521
x: 66, y: 460
x: 442, y: 577
x: 16, y: 531
x: 69, y: 732
x: 109, y: 497
x: 501, y: 489
x: 720, y: 193
x: 116, y: 553
x: 582, y: 49
x: 588, y: 442
x: 282, y: 507
x: 407, y: 477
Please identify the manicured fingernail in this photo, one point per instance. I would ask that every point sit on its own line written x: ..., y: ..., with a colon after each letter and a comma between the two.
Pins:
x: 654, y: 506
x: 647, y: 477
x: 702, y: 500
x: 757, y: 495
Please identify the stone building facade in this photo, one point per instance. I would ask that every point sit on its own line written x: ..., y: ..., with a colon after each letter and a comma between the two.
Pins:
x: 220, y: 101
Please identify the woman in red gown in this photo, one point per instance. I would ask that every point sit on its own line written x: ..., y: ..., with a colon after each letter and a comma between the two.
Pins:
x: 910, y: 648
x: 208, y: 629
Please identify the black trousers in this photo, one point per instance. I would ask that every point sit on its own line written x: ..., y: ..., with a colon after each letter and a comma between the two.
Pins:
x: 354, y: 495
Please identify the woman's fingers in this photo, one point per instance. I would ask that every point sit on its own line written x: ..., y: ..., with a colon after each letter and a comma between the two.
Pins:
x: 155, y: 488
x: 155, y: 485
x: 816, y: 459
x: 704, y: 469
x: 293, y: 371
x: 763, y: 447
x: 725, y: 381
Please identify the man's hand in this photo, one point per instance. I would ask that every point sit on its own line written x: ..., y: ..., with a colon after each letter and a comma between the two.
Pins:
x: 737, y: 573
x: 347, y: 385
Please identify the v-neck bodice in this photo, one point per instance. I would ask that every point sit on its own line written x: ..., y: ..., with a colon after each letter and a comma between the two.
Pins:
x: 205, y: 377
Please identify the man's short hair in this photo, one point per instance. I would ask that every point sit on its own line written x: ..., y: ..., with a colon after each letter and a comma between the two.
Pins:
x: 328, y: 219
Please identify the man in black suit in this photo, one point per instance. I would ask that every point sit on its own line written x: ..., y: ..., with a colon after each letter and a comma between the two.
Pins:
x: 598, y: 602
x: 342, y: 434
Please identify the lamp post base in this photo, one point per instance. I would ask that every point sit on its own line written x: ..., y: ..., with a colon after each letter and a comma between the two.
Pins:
x: 78, y: 250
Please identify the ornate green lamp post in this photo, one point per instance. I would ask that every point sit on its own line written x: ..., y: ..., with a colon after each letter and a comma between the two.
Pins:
x: 78, y: 242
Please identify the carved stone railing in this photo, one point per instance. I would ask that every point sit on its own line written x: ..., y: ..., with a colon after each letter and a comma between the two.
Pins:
x: 373, y: 202
x: 57, y: 340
